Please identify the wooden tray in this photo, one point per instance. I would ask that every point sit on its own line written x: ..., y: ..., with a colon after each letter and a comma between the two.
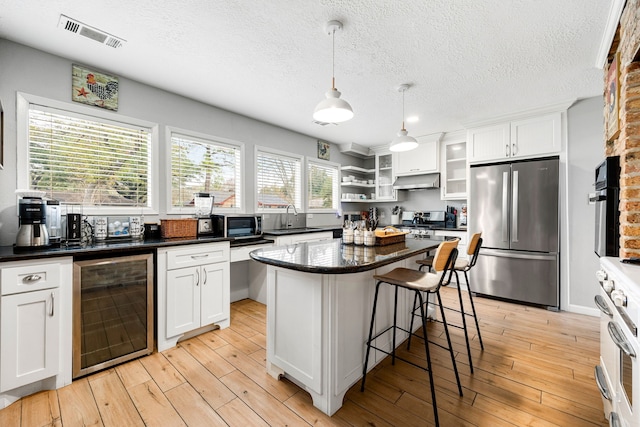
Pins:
x: 389, y: 236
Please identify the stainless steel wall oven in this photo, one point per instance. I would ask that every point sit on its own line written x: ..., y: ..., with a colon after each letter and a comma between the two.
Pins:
x: 112, y: 311
x: 607, y: 200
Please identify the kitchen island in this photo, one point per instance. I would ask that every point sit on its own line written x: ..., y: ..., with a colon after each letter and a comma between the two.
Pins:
x: 319, y: 301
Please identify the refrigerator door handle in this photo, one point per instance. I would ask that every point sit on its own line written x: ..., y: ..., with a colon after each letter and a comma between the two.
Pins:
x: 505, y: 206
x: 514, y: 208
x: 516, y: 254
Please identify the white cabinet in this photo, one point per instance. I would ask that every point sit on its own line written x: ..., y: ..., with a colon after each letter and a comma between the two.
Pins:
x: 35, y: 325
x: 385, y: 177
x: 518, y: 139
x: 193, y: 290
x: 454, y: 170
x: 489, y: 143
x: 460, y: 234
x: 421, y: 160
x: 536, y: 136
x: 292, y: 239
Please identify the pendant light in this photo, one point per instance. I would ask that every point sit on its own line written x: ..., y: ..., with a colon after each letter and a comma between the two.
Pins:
x: 403, y: 142
x: 333, y: 109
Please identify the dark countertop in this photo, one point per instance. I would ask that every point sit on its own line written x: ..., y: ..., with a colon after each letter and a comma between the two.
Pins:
x: 9, y: 253
x: 333, y: 257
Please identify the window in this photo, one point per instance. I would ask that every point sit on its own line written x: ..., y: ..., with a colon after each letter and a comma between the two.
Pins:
x: 202, y: 164
x: 278, y: 180
x: 322, y: 185
x: 84, y: 159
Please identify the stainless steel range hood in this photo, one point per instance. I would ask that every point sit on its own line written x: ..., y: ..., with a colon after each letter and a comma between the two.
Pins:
x: 417, y: 182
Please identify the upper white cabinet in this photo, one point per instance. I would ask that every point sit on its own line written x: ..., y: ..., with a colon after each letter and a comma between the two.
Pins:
x: 423, y: 159
x: 523, y: 138
x: 536, y: 136
x: 385, y: 176
x: 453, y: 179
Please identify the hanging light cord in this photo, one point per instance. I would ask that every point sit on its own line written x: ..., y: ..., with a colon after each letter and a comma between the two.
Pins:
x: 333, y: 60
x: 403, y: 110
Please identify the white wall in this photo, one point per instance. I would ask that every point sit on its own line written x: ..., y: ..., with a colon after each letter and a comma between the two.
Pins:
x: 23, y: 69
x: 585, y: 151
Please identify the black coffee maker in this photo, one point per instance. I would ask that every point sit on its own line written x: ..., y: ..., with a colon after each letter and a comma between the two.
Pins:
x: 33, y: 223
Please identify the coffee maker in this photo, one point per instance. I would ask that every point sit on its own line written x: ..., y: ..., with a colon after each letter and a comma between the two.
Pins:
x: 33, y: 219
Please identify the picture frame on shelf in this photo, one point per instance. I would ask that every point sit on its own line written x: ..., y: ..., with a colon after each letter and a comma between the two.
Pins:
x: 323, y: 150
x: 612, y: 98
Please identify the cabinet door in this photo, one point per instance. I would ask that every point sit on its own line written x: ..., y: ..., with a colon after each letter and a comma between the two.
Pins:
x: 30, y: 335
x: 454, y: 171
x: 489, y: 143
x: 214, y: 292
x: 183, y: 300
x: 536, y: 136
x: 385, y: 177
x: 424, y: 159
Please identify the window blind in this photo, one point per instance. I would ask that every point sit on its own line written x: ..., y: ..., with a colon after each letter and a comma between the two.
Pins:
x: 323, y: 189
x: 278, y: 180
x: 200, y: 165
x: 77, y: 159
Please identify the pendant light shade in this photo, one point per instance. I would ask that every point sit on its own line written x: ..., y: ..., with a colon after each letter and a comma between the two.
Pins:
x: 403, y: 142
x: 333, y: 109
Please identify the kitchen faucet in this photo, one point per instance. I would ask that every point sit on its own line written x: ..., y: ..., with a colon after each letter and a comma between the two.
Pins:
x: 295, y: 213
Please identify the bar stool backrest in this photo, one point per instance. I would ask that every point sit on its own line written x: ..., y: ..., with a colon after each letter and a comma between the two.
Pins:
x: 474, y: 248
x: 442, y: 259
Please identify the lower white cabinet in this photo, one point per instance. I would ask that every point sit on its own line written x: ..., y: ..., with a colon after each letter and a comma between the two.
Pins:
x: 35, y: 326
x: 30, y: 337
x: 292, y: 239
x: 193, y: 290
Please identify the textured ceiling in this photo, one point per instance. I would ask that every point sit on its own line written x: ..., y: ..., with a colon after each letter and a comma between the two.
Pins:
x: 467, y: 60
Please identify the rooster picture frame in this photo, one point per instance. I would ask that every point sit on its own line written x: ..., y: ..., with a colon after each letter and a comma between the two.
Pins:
x: 94, y: 88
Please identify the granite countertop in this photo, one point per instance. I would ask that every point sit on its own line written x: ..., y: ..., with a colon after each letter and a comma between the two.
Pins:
x: 334, y: 257
x: 299, y: 230
x: 9, y: 253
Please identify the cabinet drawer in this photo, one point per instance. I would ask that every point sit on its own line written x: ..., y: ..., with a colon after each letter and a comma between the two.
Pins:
x: 242, y: 253
x: 199, y: 254
x: 29, y: 276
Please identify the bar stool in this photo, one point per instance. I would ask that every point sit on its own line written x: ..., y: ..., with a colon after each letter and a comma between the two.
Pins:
x: 463, y: 265
x: 419, y: 282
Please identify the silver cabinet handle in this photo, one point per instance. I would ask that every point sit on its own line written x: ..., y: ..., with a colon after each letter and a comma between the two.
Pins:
x: 619, y: 339
x: 32, y: 278
x: 199, y: 256
x: 204, y: 282
x: 197, y: 277
x: 514, y: 207
x: 514, y: 151
x: 53, y: 302
x: 505, y: 205
x: 507, y: 152
x: 602, y: 383
x: 602, y: 305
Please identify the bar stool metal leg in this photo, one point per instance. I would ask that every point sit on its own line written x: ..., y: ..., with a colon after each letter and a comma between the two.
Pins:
x: 464, y: 320
x: 446, y: 332
x: 423, y: 315
x: 373, y: 318
x: 473, y: 309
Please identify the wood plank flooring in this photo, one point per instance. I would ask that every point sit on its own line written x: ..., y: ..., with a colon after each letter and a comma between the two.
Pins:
x: 536, y: 370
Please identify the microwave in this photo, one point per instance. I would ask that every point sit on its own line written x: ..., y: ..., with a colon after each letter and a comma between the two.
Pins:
x: 236, y: 226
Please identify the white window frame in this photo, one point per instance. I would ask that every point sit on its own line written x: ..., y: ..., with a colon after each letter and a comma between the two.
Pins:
x: 23, y: 103
x: 336, y: 185
x: 278, y: 153
x: 208, y: 139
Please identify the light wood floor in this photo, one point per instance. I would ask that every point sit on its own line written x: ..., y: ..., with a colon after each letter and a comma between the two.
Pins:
x: 536, y: 370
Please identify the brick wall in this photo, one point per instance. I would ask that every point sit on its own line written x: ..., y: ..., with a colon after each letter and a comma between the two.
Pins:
x: 627, y: 143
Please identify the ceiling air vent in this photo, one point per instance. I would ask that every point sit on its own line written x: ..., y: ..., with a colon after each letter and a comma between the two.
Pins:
x: 78, y: 27
x: 324, y: 123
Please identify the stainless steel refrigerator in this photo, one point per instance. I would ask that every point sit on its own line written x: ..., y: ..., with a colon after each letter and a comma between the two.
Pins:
x: 515, y: 206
